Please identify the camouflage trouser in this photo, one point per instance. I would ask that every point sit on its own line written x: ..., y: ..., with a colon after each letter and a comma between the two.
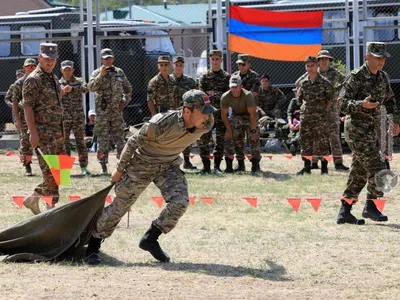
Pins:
x: 240, y: 126
x: 25, y: 147
x: 367, y: 162
x: 50, y: 142
x: 108, y: 126
x: 314, y: 138
x: 136, y: 178
x: 77, y: 126
x: 204, y: 142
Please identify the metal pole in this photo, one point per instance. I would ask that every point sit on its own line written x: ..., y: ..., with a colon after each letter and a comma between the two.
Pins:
x: 129, y: 216
x: 219, y: 25
x: 81, y: 19
x: 90, y: 46
x: 347, y: 13
x: 106, y: 9
x: 83, y: 72
x: 356, y: 34
x: 228, y: 53
x: 130, y: 9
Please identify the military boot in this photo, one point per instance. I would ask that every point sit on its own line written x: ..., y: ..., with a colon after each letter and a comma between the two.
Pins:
x: 92, y: 251
x: 255, y: 166
x: 306, y: 169
x: 314, y: 166
x: 240, y: 167
x: 229, y: 162
x: 32, y: 203
x: 372, y: 212
x: 206, y: 166
x: 345, y: 215
x: 324, y: 167
x: 149, y: 243
x: 104, y: 170
x: 387, y: 163
x: 187, y: 164
x: 341, y: 167
x: 217, y: 165
x: 28, y: 169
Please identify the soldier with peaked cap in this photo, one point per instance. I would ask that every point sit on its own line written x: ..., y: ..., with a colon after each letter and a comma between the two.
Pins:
x: 74, y: 118
x: 152, y: 154
x: 250, y: 78
x: 365, y: 93
x: 25, y: 147
x: 41, y: 94
x: 113, y: 92
x: 182, y: 83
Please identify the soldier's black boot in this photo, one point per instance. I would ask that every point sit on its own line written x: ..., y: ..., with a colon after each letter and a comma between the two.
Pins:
x: 306, y: 169
x: 372, y: 212
x: 341, y: 167
x: 255, y: 166
x: 149, y: 243
x: 345, y: 215
x: 92, y: 251
x: 240, y: 167
x: 324, y: 167
x: 229, y: 163
x: 206, y: 166
x: 314, y: 166
x: 104, y: 170
x: 387, y: 164
x: 28, y: 169
x: 217, y: 165
x: 187, y: 164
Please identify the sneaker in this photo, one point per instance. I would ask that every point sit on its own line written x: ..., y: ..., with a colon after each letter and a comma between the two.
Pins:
x: 32, y: 203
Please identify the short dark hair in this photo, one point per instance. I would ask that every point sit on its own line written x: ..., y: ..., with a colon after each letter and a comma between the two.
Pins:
x: 265, y: 76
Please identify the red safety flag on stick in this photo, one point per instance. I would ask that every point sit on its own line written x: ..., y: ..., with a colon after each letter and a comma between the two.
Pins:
x: 315, y: 202
x: 208, y: 200
x: 380, y: 204
x: 158, y: 200
x: 252, y: 201
x: 295, y: 203
x: 74, y: 198
x: 19, y: 200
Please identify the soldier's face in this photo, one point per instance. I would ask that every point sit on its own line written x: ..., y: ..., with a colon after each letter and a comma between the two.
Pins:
x: 197, y: 118
x: 311, y: 67
x: 324, y: 62
x: 375, y: 63
x: 178, y: 67
x: 108, y: 62
x: 47, y: 64
x: 215, y: 61
x: 67, y: 72
x: 20, y: 75
x: 163, y: 67
x: 265, y: 83
x: 243, y: 68
x: 236, y: 90
x: 28, y: 69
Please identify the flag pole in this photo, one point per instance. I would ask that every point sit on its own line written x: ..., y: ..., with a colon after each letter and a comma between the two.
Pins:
x: 40, y: 151
x: 228, y: 53
x: 129, y: 216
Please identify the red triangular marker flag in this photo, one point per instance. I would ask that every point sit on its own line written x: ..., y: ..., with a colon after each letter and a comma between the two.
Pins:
x: 48, y: 200
x: 309, y: 157
x: 207, y: 200
x: 269, y: 156
x: 315, y: 202
x: 191, y: 200
x: 10, y: 153
x: 295, y: 203
x: 348, y: 200
x: 380, y: 204
x: 328, y: 158
x: 252, y: 201
x: 158, y: 200
x: 109, y: 199
x: 74, y: 198
x: 288, y: 156
x: 19, y: 200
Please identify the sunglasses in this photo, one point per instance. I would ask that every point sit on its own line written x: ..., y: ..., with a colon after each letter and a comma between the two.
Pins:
x: 30, y: 67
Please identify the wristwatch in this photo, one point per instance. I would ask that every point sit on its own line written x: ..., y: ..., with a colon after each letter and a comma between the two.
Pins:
x: 253, y: 130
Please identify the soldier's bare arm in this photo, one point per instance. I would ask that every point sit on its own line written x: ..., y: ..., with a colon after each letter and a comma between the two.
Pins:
x: 224, y: 116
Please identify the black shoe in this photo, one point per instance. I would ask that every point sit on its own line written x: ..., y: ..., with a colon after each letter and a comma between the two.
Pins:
x: 149, y: 243
x: 229, y: 162
x: 314, y: 166
x: 92, y: 251
x: 292, y: 149
x: 303, y: 171
x: 345, y: 215
x: 206, y: 166
x: 240, y: 167
x: 341, y: 167
x: 370, y: 211
x: 187, y: 164
x: 324, y: 167
x: 255, y: 166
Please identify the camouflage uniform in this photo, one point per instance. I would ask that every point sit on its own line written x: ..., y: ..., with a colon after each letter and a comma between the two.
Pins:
x: 152, y: 155
x: 42, y: 92
x: 74, y: 117
x: 271, y: 101
x: 162, y: 93
x: 110, y: 91
x: 219, y: 83
x: 8, y: 97
x: 250, y: 80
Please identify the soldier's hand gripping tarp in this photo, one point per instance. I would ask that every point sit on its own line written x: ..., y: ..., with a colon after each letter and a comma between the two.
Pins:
x: 51, y: 234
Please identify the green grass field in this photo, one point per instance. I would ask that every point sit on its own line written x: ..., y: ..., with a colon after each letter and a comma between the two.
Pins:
x: 227, y: 250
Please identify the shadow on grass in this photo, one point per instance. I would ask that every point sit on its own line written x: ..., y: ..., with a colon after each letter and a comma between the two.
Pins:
x: 394, y: 226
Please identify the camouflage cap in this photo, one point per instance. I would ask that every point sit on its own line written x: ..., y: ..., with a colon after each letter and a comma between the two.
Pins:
x: 20, y: 71
x: 199, y: 100
x: 179, y: 58
x: 215, y: 52
x: 29, y: 62
x: 163, y: 59
x: 311, y: 59
x: 243, y: 58
x: 67, y: 64
x: 377, y: 49
x: 49, y: 50
x: 324, y: 53
x: 106, y: 53
x: 235, y: 81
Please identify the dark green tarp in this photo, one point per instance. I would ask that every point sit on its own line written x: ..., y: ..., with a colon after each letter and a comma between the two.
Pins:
x: 54, y: 233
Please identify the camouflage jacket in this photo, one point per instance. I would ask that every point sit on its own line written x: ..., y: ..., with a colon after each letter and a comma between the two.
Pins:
x: 314, y: 98
x: 250, y: 80
x: 161, y: 140
x: 217, y: 82
x: 72, y: 101
x: 270, y: 99
x: 17, y: 92
x: 42, y: 92
x: 293, y: 106
x: 335, y: 77
x: 360, y: 84
x: 9, y: 95
x: 161, y: 92
x: 110, y: 90
x: 181, y: 86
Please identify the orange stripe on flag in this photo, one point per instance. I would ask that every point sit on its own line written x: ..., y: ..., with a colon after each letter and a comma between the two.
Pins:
x: 272, y: 51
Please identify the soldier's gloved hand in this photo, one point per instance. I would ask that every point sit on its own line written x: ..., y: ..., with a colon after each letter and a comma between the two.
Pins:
x: 228, y: 135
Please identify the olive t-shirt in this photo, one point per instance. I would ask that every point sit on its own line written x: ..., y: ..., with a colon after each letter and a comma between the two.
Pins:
x: 240, y: 104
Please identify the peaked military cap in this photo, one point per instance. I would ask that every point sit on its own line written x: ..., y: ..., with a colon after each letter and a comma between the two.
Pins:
x: 179, y: 58
x: 311, y: 59
x: 199, y: 100
x: 235, y: 80
x: 215, y: 52
x: 163, y: 58
x: 29, y: 62
x: 243, y: 58
x: 49, y: 50
x: 67, y: 64
x: 377, y: 49
x: 106, y: 53
x: 324, y: 53
x: 20, y: 71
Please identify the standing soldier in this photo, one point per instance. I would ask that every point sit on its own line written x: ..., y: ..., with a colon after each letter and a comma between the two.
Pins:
x: 41, y: 94
x: 74, y: 118
x: 316, y: 95
x: 25, y: 147
x: 244, y: 119
x: 214, y: 83
x: 160, y: 91
x: 113, y: 92
x: 248, y: 76
x: 152, y: 155
x: 182, y: 83
x: 364, y: 92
